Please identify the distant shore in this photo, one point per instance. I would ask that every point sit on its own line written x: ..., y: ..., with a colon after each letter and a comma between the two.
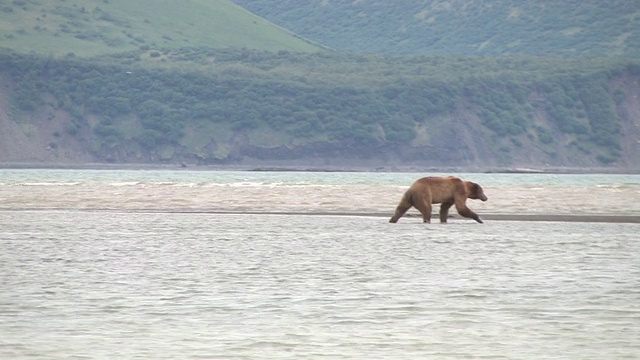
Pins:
x: 314, y: 168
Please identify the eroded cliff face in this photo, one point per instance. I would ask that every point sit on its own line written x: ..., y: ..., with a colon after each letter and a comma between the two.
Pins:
x: 629, y: 112
x: 461, y: 141
x: 38, y: 137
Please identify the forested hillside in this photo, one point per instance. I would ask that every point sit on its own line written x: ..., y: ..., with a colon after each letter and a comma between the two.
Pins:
x: 496, y: 27
x: 227, y: 106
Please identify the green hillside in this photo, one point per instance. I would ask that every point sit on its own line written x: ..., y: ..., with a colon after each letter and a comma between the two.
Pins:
x: 290, y: 106
x: 93, y: 27
x: 496, y: 27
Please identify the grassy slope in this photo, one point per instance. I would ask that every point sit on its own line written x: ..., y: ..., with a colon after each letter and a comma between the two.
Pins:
x: 88, y: 28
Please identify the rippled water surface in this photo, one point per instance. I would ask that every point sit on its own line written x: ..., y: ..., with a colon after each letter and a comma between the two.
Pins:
x: 139, y: 264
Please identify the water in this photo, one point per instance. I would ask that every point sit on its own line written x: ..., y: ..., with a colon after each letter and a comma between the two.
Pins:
x: 147, y: 264
x: 375, y: 193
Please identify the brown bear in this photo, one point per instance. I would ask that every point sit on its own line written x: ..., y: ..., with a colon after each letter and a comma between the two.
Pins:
x: 440, y: 190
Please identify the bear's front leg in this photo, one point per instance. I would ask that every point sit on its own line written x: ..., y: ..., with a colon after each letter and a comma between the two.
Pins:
x: 463, y: 210
x: 468, y: 213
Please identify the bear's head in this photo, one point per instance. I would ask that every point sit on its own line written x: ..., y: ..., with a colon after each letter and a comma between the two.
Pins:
x: 475, y: 191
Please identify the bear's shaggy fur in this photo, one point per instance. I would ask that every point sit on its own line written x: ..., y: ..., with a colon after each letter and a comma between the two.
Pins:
x: 447, y: 191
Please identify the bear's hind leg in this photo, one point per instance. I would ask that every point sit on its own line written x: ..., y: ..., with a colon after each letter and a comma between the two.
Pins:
x: 425, y: 209
x: 401, y: 209
x: 444, y: 211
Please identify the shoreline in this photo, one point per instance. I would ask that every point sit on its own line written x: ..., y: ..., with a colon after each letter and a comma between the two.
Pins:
x: 587, y: 218
x: 584, y: 218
